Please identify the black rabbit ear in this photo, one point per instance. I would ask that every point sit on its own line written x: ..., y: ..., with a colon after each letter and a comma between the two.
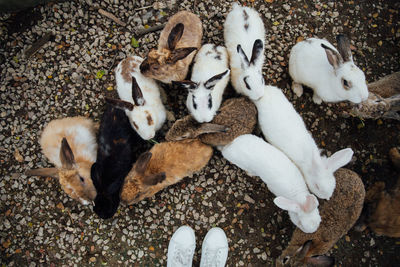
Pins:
x: 142, y: 162
x: 245, y: 59
x: 121, y: 104
x: 189, y: 85
x: 323, y: 261
x: 137, y: 94
x: 115, y: 187
x: 257, y: 51
x: 180, y: 53
x: 344, y: 47
x: 154, y: 179
x: 210, y: 83
x: 66, y: 155
x: 175, y: 35
x: 334, y: 58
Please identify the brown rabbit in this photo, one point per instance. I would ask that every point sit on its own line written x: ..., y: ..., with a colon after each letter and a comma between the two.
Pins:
x: 338, y: 215
x: 236, y: 117
x: 70, y: 144
x: 180, y: 37
x: 165, y: 164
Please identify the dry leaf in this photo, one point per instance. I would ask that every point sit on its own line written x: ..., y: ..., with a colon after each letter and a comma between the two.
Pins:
x: 299, y: 39
x: 18, y: 156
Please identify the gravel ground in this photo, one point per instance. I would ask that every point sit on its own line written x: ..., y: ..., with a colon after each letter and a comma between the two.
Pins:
x: 73, y: 72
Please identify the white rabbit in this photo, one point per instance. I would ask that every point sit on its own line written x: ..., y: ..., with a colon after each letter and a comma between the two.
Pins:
x: 331, y: 74
x: 140, y: 98
x: 210, y: 75
x: 283, y: 178
x: 244, y: 37
x: 284, y: 128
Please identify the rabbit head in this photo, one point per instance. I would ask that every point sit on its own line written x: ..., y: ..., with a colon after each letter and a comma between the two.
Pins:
x: 300, y: 258
x: 139, y: 114
x: 251, y: 76
x: 352, y: 78
x: 152, y: 65
x: 304, y: 215
x: 199, y: 100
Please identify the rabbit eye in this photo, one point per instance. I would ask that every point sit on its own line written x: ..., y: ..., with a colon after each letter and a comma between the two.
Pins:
x: 245, y: 81
x: 346, y: 84
x: 81, y: 178
x: 285, y: 260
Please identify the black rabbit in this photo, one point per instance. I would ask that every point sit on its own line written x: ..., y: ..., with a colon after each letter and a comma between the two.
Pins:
x: 118, y: 148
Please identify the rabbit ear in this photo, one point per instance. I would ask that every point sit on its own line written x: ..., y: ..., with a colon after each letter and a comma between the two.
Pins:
x: 142, y: 162
x: 257, y: 51
x: 121, y: 104
x: 323, y: 261
x: 303, y: 250
x: 211, y: 128
x: 154, y: 179
x: 137, y: 93
x: 47, y: 172
x: 95, y: 175
x: 189, y: 85
x: 344, y: 47
x: 334, y: 58
x: 180, y: 53
x: 311, y: 203
x: 339, y: 159
x: 287, y: 204
x: 210, y: 83
x: 245, y: 59
x: 66, y: 155
x: 175, y: 35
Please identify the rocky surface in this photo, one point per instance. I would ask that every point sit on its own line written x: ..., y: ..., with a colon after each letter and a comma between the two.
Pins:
x: 73, y: 72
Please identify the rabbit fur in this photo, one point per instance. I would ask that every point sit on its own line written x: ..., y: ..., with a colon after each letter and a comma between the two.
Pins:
x: 70, y: 144
x: 210, y: 75
x: 166, y: 164
x: 283, y: 178
x: 147, y: 113
x: 338, y: 215
x: 238, y: 116
x: 179, y: 39
x: 387, y: 86
x: 331, y: 74
x: 284, y: 128
x: 244, y: 39
x: 119, y: 147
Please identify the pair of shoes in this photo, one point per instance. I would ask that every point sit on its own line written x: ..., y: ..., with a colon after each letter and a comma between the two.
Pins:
x: 214, y: 252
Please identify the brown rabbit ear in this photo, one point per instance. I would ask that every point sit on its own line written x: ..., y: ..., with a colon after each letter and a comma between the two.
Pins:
x: 66, y: 155
x: 212, y: 128
x: 154, y: 179
x: 334, y: 58
x: 180, y: 53
x: 137, y: 94
x: 46, y: 172
x: 323, y: 261
x: 302, y: 252
x: 142, y: 162
x: 344, y: 47
x: 175, y: 35
x: 121, y: 104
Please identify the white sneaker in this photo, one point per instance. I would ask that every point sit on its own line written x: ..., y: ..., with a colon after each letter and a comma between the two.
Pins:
x: 181, y: 247
x: 214, y: 250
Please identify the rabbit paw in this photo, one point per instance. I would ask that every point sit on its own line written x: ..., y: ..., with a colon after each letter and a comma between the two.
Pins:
x: 297, y: 89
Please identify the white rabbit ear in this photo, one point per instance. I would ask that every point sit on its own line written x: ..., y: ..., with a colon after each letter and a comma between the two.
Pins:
x: 334, y: 58
x: 210, y: 83
x: 339, y: 159
x: 257, y: 51
x: 287, y: 204
x: 245, y: 59
x: 311, y: 203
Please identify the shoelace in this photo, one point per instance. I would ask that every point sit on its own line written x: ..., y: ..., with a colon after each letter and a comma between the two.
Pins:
x: 212, y: 258
x: 182, y: 256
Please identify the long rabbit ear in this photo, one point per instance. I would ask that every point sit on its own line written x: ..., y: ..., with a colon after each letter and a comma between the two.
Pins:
x: 180, y: 53
x: 339, y: 159
x: 245, y: 59
x: 323, y: 261
x: 120, y: 104
x: 334, y: 58
x: 212, y: 128
x: 46, y: 172
x: 154, y: 178
x: 137, y: 94
x: 302, y: 252
x: 189, y: 85
x: 311, y: 203
x: 142, y: 162
x: 175, y: 35
x: 66, y: 155
x: 287, y: 204
x: 344, y: 47
x: 210, y: 83
x: 257, y: 51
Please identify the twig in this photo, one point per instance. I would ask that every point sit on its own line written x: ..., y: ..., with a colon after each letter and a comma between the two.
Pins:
x: 148, y: 30
x: 38, y: 44
x: 112, y: 17
x: 141, y: 8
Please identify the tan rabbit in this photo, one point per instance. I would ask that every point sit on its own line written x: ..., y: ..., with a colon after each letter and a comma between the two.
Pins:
x: 70, y: 144
x: 338, y: 215
x: 165, y: 164
x: 180, y: 37
x: 236, y: 117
